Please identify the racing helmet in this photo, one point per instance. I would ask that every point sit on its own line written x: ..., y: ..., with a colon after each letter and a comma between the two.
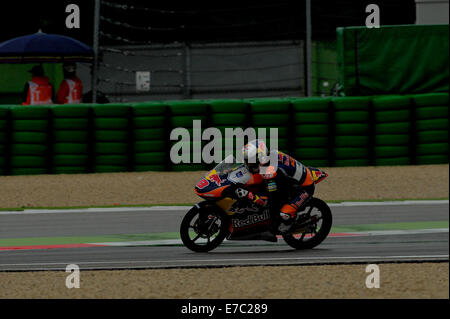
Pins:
x: 255, y: 154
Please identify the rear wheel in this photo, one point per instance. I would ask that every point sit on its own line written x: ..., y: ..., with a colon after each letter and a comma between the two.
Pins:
x: 203, y: 228
x: 312, y: 226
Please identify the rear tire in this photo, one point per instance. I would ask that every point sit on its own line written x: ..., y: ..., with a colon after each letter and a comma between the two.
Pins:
x: 205, y: 222
x: 321, y: 234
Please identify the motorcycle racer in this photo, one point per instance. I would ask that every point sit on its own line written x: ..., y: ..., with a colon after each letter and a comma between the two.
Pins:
x: 257, y: 198
x: 290, y: 180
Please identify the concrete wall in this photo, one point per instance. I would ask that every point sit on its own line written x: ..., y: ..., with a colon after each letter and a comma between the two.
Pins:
x: 432, y: 11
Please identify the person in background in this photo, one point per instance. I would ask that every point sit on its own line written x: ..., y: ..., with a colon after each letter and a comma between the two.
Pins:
x: 38, y: 90
x: 71, y: 89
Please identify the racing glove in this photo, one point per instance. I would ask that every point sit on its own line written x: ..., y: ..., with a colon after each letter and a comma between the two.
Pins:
x: 245, y: 194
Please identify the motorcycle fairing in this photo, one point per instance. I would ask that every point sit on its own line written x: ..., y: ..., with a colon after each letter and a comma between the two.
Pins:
x: 317, y: 174
x: 212, y: 185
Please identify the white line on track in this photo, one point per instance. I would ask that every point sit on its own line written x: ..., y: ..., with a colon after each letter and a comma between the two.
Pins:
x: 185, y: 208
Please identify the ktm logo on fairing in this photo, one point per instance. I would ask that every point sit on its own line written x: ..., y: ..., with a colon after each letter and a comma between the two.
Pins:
x: 251, y: 219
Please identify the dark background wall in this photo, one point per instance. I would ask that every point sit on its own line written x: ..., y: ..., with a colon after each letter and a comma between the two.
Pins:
x: 224, y: 40
x: 199, y: 21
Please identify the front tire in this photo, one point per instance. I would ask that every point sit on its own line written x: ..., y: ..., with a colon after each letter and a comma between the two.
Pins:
x: 309, y: 237
x: 203, y: 228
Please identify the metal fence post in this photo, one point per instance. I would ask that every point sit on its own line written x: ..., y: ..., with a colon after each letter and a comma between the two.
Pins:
x: 309, y: 91
x: 95, y: 47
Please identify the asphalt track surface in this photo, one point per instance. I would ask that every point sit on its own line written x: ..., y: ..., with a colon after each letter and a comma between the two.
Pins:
x: 427, y: 246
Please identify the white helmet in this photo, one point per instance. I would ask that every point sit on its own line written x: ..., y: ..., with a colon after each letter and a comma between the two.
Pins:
x: 255, y: 154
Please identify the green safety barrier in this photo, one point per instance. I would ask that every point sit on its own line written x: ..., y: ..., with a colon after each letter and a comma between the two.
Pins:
x: 121, y: 137
x: 369, y: 64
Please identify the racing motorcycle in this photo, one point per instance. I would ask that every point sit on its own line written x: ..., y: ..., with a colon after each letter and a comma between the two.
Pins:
x: 219, y: 216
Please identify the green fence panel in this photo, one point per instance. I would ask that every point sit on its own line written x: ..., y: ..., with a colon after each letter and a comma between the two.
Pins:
x: 30, y: 112
x: 28, y: 149
x: 351, y: 152
x: 70, y: 123
x: 311, y: 104
x: 150, y: 158
x: 187, y: 107
x: 391, y: 151
x: 311, y: 142
x: 432, y: 159
x: 70, y: 148
x: 70, y: 136
x: 229, y: 106
x: 187, y: 121
x: 146, y: 168
x: 230, y: 119
x: 110, y: 168
x: 392, y: 139
x: 393, y: 102
x: 316, y: 162
x: 392, y: 161
x: 149, y: 109
x: 29, y: 137
x: 69, y: 170
x: 351, y: 162
x: 311, y: 153
x: 150, y: 146
x: 149, y: 134
x: 70, y: 160
x: 110, y: 123
x: 111, y: 136
x: 432, y: 112
x: 111, y: 110
x: 369, y: 63
x: 320, y: 131
x: 71, y: 111
x: 392, y: 116
x: 28, y: 171
x: 270, y: 106
x: 30, y: 125
x: 351, y: 116
x: 143, y: 122
x: 270, y: 119
x: 311, y: 117
x: 352, y: 129
x: 313, y: 130
x: 351, y: 103
x: 393, y: 128
x: 188, y: 167
x: 111, y: 148
x: 435, y: 124
x: 432, y: 136
x: 351, y: 141
x: 117, y: 160
x: 28, y: 161
x: 431, y: 99
x: 432, y: 149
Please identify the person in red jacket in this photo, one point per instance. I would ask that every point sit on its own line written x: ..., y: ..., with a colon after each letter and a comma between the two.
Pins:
x: 38, y: 90
x: 71, y: 89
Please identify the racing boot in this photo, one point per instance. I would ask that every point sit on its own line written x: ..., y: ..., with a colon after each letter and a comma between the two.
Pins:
x: 288, y: 214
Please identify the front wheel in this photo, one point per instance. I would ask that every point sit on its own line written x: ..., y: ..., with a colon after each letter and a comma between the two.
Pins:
x: 203, y: 228
x: 312, y: 226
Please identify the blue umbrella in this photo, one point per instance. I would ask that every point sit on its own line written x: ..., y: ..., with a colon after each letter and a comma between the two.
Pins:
x: 42, y: 47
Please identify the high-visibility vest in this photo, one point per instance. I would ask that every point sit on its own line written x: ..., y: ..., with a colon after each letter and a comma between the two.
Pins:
x: 75, y: 92
x: 39, y: 91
